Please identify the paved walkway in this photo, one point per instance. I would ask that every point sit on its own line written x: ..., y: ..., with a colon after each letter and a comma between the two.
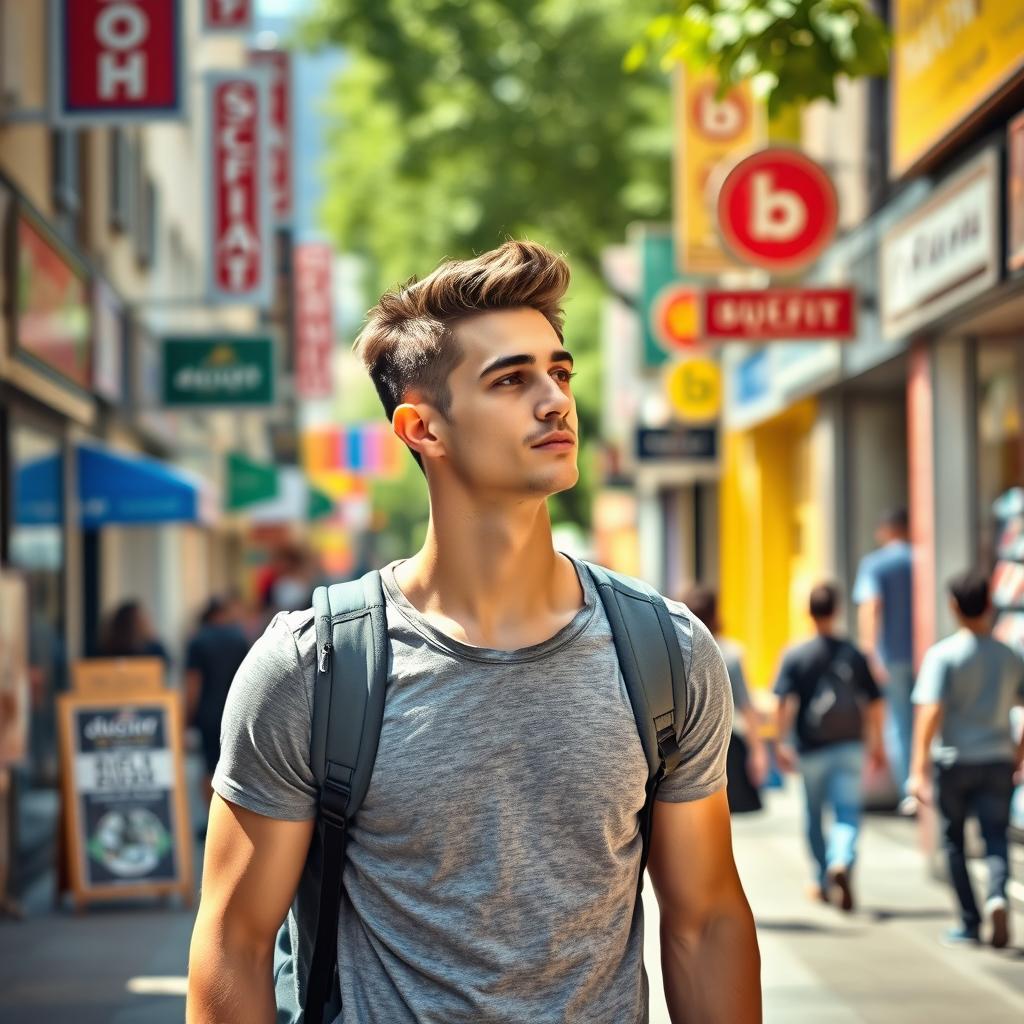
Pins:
x: 881, y: 965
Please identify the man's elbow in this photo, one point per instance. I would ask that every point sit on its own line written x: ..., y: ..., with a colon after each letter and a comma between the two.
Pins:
x: 725, y: 923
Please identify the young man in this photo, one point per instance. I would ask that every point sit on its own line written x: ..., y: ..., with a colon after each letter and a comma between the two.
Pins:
x: 826, y: 689
x: 747, y: 764
x: 966, y: 687
x: 492, y: 868
x: 883, y: 593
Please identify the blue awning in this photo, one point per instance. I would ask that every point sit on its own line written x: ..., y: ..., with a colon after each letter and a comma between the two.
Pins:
x: 113, y: 487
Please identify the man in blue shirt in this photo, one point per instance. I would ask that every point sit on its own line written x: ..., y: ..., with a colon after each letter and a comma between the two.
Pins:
x: 966, y: 688
x: 883, y: 594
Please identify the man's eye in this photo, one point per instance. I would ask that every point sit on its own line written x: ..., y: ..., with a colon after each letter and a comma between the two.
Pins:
x: 513, y: 378
x: 564, y: 376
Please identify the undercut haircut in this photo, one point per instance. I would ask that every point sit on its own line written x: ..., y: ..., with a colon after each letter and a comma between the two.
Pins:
x: 408, y: 343
x: 970, y: 592
x: 824, y: 602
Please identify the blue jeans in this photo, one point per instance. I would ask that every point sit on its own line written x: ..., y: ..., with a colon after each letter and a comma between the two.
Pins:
x: 899, y: 722
x: 832, y: 778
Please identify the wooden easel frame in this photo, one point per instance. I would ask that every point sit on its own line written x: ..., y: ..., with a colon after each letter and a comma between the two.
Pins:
x: 81, y: 892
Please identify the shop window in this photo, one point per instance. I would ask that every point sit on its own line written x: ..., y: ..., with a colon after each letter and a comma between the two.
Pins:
x: 1000, y: 443
x: 67, y: 181
x: 36, y: 550
x: 122, y: 180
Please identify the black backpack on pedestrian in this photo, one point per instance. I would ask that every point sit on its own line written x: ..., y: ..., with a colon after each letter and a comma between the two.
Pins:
x: 834, y: 712
x: 348, y: 707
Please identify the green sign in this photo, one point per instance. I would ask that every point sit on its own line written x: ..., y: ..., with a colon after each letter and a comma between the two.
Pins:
x: 318, y: 505
x: 249, y: 482
x: 218, y: 370
x: 658, y: 271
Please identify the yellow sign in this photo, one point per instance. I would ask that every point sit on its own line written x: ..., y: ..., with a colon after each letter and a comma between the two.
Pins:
x: 949, y: 57
x: 709, y: 132
x: 694, y: 388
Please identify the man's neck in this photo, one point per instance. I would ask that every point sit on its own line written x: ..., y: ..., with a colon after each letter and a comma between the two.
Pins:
x: 491, y: 573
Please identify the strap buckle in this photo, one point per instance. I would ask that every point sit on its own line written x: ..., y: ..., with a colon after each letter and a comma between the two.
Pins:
x: 668, y: 745
x: 334, y: 797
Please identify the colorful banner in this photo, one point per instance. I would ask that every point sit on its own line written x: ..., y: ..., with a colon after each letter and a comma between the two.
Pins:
x: 279, y: 66
x: 314, y: 320
x: 116, y: 62
x: 240, y: 257
x: 950, y: 57
x: 657, y: 272
x: 360, y: 449
x: 227, y: 15
x: 709, y: 132
x: 53, y: 321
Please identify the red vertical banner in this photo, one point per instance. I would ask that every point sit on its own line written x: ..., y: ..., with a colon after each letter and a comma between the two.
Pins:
x: 240, y: 257
x: 279, y: 64
x: 116, y: 62
x: 227, y: 15
x: 314, y: 320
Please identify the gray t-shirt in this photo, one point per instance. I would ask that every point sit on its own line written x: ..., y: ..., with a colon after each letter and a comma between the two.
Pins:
x: 492, y: 869
x: 977, y: 680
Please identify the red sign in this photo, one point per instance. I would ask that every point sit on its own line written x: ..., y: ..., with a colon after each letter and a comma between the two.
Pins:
x: 279, y: 63
x: 314, y: 321
x: 777, y: 209
x: 53, y: 320
x: 780, y: 313
x: 241, y: 254
x: 227, y: 15
x: 117, y: 60
x: 676, y: 318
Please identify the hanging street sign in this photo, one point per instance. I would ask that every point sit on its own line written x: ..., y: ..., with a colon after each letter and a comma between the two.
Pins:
x: 314, y: 320
x: 218, y: 370
x: 278, y: 64
x: 240, y: 228
x: 227, y: 15
x: 773, y: 314
x: 777, y: 210
x: 677, y: 443
x: 694, y: 387
x: 116, y: 62
x: 686, y: 318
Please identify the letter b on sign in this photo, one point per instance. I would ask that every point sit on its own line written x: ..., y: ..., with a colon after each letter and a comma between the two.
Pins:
x: 777, y: 209
x: 719, y: 120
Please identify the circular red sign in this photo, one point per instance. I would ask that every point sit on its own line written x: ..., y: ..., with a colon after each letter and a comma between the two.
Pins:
x: 777, y: 209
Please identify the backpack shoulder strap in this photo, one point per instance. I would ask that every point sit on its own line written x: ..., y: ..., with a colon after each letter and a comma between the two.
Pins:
x: 651, y: 662
x: 348, y: 707
x: 655, y: 676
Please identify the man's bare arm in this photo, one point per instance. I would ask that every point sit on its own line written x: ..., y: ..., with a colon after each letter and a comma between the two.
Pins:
x: 869, y: 618
x: 927, y: 719
x: 250, y: 874
x: 709, y: 955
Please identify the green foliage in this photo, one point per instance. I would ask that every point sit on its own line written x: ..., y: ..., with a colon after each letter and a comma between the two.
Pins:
x: 459, y: 123
x: 792, y: 50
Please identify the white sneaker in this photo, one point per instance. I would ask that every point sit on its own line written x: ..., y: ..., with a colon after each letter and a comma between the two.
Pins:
x: 907, y: 807
x: 998, y: 916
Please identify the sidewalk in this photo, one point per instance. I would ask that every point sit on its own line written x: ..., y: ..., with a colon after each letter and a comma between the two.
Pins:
x: 882, y: 965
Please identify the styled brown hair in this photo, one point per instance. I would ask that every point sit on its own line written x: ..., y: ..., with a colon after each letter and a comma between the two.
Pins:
x: 408, y: 342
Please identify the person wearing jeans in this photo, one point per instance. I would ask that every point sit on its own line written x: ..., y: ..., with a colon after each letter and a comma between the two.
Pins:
x: 828, y: 696
x: 965, y: 691
x: 883, y: 593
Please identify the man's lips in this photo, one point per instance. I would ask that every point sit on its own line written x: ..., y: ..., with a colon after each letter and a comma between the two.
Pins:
x: 557, y: 441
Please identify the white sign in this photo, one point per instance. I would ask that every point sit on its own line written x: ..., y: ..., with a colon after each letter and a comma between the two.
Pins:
x: 944, y: 253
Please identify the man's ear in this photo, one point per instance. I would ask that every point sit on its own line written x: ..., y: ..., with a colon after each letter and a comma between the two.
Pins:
x: 412, y: 423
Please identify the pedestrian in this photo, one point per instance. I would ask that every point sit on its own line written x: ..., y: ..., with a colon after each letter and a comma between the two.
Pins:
x: 747, y: 762
x: 215, y: 652
x: 826, y: 691
x: 493, y: 867
x: 883, y: 593
x: 129, y: 633
x: 965, y: 690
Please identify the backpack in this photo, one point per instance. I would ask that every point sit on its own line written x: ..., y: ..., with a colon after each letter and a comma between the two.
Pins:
x: 833, y: 712
x: 348, y: 707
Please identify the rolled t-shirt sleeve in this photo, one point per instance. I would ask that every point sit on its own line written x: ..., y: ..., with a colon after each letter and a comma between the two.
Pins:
x: 931, y: 680
x: 707, y: 724
x: 265, y: 731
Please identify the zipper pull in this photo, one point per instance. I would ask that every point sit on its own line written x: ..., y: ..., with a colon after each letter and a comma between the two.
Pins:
x: 325, y: 656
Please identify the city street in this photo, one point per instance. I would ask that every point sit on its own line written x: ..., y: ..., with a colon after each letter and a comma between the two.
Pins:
x: 883, y: 965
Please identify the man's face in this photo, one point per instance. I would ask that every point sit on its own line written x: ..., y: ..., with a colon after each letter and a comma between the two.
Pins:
x: 512, y: 426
